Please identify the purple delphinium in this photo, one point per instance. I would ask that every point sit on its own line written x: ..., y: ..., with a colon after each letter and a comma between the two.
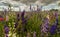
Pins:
x: 22, y: 14
x: 54, y: 26
x: 18, y: 17
x: 56, y: 15
x: 6, y: 29
x: 46, y: 23
x: 23, y: 21
x: 53, y: 29
x: 45, y: 27
x: 30, y: 7
x: 22, y: 17
x: 16, y: 23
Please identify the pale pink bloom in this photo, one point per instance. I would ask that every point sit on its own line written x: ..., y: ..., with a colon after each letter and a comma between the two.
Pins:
x: 34, y: 34
x: 7, y: 18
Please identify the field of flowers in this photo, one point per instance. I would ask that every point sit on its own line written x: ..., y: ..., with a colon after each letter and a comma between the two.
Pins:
x: 30, y: 24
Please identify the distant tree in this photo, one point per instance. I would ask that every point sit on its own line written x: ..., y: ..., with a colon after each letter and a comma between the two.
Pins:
x: 58, y: 4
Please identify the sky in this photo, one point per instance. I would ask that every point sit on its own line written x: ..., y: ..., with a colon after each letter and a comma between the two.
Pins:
x: 33, y: 1
x: 47, y: 3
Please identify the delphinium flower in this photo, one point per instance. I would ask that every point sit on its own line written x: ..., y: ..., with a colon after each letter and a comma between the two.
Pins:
x: 53, y: 29
x: 38, y: 9
x: 34, y: 34
x: 6, y: 29
x: 45, y: 27
x: 22, y: 14
x: 54, y: 26
x: 18, y: 18
x: 30, y: 7
x: 22, y: 17
x: 23, y: 20
x: 56, y: 15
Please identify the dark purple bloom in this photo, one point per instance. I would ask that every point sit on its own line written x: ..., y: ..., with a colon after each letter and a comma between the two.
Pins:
x: 18, y: 17
x: 53, y: 29
x: 23, y: 21
x: 30, y: 7
x: 56, y: 15
x: 6, y: 28
x: 56, y: 21
x: 22, y: 15
x: 54, y: 26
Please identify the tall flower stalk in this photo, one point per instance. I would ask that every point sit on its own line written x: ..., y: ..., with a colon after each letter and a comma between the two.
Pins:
x: 18, y: 18
x: 54, y: 26
x: 44, y: 27
x: 6, y: 29
x: 24, y: 23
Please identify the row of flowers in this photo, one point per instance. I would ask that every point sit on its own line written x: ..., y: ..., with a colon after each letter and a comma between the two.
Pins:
x: 23, y: 24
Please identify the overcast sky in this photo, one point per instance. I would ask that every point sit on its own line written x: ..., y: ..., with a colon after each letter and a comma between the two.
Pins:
x: 43, y: 1
x: 33, y: 1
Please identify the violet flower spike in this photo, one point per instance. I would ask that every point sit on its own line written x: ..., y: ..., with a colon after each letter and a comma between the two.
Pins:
x: 53, y: 29
x: 45, y: 26
x: 6, y: 28
x: 22, y: 15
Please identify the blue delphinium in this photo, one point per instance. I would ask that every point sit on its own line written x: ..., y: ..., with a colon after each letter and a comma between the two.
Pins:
x: 6, y: 29
x: 53, y: 29
x: 54, y: 26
